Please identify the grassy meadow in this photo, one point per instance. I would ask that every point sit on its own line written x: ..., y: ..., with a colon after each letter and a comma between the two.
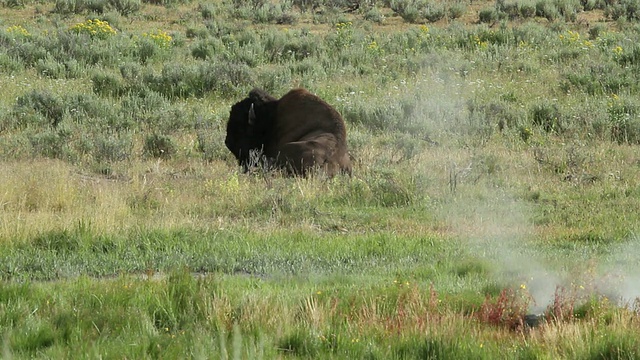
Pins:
x: 496, y: 175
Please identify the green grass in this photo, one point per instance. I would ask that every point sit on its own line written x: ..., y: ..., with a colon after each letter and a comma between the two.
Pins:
x: 495, y: 175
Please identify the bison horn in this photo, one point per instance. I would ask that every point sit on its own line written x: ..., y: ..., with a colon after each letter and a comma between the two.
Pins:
x: 252, y: 115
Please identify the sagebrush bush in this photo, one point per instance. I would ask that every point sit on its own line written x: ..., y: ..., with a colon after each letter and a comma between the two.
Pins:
x: 291, y: 46
x: 276, y: 80
x: 87, y: 108
x: 209, y: 48
x: 67, y: 7
x: 602, y: 79
x: 107, y: 84
x: 376, y: 117
x: 126, y: 7
x: 547, y: 9
x: 16, y: 147
x: 9, y: 64
x: 594, y: 4
x: 51, y: 144
x: 146, y: 49
x: 547, y: 116
x: 131, y: 71
x: 98, y: 6
x: 109, y: 147
x: 28, y: 52
x: 168, y: 3
x: 159, y: 146
x: 49, y: 67
x: 44, y: 103
x: 624, y: 120
x: 144, y: 106
x: 196, y: 79
x: 210, y: 141
x: 629, y: 56
x: 307, y: 5
x: 500, y: 113
x: 489, y: 15
x: 280, y: 13
x: 207, y: 10
x: 456, y: 10
x: 409, y: 10
x: 433, y: 12
x: 84, y: 48
x: 375, y: 15
x: 629, y: 9
x: 13, y: 3
x: 414, y: 11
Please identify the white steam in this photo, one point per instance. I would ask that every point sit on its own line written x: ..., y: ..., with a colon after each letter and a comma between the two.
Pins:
x: 620, y: 279
x: 498, y: 229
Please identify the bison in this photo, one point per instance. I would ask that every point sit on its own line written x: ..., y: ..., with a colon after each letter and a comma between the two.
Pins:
x: 296, y: 133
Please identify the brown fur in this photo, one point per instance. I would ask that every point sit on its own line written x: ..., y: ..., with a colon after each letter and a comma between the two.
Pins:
x: 297, y: 132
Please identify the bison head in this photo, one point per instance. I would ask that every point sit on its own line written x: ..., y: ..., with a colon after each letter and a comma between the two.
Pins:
x: 247, y: 128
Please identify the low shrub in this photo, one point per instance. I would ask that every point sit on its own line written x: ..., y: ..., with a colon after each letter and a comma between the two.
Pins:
x: 146, y: 49
x: 112, y: 147
x: 624, y: 121
x: 456, y: 10
x: 308, y: 5
x: 292, y: 45
x: 207, y: 10
x: 210, y: 141
x: 87, y: 108
x: 167, y: 3
x: 97, y: 6
x: 126, y: 7
x: 9, y: 64
x: 206, y: 49
x: 547, y: 9
x: 409, y: 10
x: 601, y: 79
x: 374, y: 15
x: 547, y: 116
x: 280, y: 13
x: 489, y: 15
x: 28, y: 52
x: 107, y: 84
x: 159, y: 146
x: 196, y: 79
x: 66, y: 7
x: 44, y: 103
x: 433, y: 12
x: 51, y: 144
x: 50, y: 68
x: 629, y: 9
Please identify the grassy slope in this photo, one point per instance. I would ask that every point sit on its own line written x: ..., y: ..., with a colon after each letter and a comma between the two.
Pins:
x: 395, y: 262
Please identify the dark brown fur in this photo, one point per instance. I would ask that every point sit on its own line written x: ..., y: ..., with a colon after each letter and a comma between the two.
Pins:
x: 297, y: 132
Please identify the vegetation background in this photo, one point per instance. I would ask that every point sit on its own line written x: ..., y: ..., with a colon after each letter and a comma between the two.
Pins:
x: 496, y: 175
